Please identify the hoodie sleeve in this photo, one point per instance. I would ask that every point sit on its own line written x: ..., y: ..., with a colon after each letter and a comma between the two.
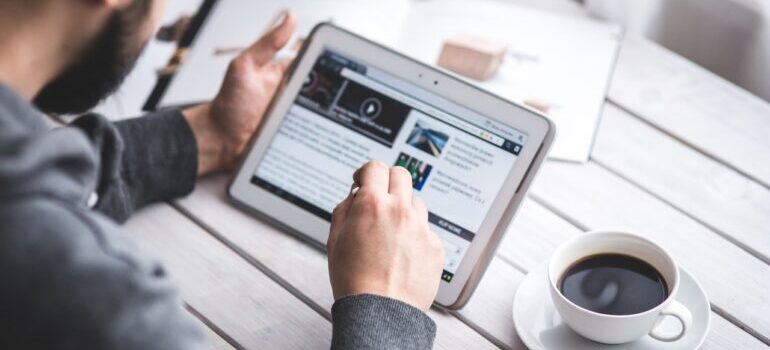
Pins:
x: 143, y: 160
x: 367, y: 321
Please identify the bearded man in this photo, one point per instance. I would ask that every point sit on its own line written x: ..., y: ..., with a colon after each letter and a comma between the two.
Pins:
x: 72, y: 280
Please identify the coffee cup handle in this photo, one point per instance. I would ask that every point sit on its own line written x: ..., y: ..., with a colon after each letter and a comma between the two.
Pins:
x: 675, y: 309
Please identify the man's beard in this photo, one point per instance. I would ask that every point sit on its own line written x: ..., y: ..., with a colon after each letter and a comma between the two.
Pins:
x: 100, y: 69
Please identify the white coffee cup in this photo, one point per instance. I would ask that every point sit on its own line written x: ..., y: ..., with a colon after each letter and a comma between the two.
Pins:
x: 617, y: 329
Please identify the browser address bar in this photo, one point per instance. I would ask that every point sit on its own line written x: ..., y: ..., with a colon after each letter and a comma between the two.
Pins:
x: 398, y: 96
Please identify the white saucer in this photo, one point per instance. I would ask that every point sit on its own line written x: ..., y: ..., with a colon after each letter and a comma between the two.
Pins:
x: 540, y: 327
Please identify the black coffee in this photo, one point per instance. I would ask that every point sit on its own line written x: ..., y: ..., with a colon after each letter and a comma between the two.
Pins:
x: 614, y: 284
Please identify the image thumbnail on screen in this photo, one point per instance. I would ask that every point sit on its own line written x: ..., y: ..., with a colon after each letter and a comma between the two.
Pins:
x: 328, y: 92
x: 419, y: 169
x: 427, y: 139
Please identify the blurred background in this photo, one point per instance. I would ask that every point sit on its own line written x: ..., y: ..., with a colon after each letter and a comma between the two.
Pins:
x: 730, y: 38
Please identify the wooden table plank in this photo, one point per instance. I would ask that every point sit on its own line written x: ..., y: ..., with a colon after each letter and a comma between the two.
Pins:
x: 241, y: 300
x: 302, y: 267
x: 721, y: 198
x: 215, y: 341
x: 533, y: 235
x: 695, y: 106
x: 490, y: 308
x: 731, y: 337
x: 594, y: 198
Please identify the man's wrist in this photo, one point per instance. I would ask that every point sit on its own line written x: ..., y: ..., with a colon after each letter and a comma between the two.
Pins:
x: 211, y: 147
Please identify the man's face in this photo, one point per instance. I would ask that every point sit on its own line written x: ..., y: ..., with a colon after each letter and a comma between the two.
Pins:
x: 105, y: 62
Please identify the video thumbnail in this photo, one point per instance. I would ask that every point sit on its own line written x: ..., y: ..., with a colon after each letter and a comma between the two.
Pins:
x: 427, y: 139
x: 419, y: 169
x: 353, y: 105
x: 371, y: 112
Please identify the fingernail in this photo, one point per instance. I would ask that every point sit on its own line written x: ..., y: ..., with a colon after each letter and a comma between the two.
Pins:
x: 277, y: 21
x: 280, y: 19
x: 281, y: 55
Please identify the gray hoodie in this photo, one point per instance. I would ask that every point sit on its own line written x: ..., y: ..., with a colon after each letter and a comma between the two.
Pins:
x: 69, y: 279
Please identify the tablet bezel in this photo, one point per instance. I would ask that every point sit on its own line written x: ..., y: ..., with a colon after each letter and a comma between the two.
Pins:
x: 539, y: 130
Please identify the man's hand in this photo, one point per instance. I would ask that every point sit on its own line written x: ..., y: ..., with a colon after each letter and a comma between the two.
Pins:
x: 380, y: 242
x: 224, y: 126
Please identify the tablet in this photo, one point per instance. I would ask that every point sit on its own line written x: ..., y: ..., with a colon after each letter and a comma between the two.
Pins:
x: 345, y: 101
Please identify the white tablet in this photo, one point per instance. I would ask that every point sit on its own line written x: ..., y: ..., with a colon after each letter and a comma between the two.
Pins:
x: 347, y: 100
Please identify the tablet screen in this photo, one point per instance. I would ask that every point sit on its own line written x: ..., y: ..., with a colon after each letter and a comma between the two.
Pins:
x: 347, y: 113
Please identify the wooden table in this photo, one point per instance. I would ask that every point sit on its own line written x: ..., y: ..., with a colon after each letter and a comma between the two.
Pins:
x: 682, y: 157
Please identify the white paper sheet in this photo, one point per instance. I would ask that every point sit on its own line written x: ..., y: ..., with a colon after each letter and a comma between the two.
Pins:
x: 565, y: 61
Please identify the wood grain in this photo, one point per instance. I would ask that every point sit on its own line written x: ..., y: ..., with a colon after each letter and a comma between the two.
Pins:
x: 694, y: 105
x: 241, y: 300
x: 594, y: 198
x: 215, y: 341
x: 723, y: 199
x: 489, y: 309
x: 534, y: 235
x: 302, y: 267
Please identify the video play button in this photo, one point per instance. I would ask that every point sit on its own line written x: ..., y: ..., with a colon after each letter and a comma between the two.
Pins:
x: 371, y: 108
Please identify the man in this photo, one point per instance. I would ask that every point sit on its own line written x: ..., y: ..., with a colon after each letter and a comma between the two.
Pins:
x: 71, y: 279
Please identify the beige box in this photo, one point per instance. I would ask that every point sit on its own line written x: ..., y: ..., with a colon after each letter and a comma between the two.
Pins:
x: 472, y: 56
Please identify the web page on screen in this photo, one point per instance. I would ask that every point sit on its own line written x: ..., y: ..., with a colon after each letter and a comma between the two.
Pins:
x: 348, y: 113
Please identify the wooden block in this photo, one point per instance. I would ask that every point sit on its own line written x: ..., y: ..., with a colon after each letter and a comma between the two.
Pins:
x: 539, y: 104
x: 472, y: 56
